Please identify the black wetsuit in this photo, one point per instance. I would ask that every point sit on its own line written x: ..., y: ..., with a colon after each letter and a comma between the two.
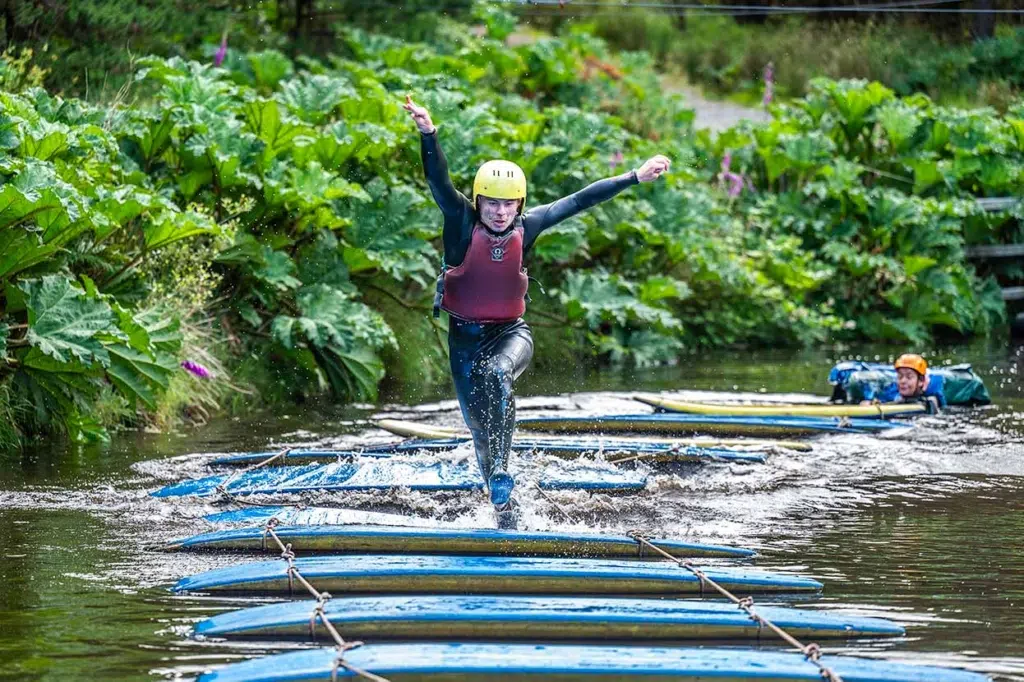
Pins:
x: 486, y: 358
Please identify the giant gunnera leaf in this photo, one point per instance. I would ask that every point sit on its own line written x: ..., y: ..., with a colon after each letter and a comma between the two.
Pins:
x: 63, y: 322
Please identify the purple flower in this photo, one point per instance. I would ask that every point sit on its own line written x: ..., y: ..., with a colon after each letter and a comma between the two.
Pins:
x: 218, y: 58
x: 726, y: 162
x: 735, y: 181
x: 615, y: 160
x: 769, y: 84
x: 196, y: 369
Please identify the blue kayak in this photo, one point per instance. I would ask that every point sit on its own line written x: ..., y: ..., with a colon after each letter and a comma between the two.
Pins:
x: 707, y: 424
x: 314, y: 516
x: 411, y: 574
x: 396, y: 539
x: 386, y: 474
x: 425, y: 661
x: 478, y: 617
x: 664, y: 452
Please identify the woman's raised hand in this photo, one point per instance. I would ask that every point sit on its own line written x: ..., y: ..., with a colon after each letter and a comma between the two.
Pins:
x: 420, y: 116
x: 653, y: 168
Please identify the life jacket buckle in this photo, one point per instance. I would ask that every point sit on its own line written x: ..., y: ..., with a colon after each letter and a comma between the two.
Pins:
x: 439, y: 293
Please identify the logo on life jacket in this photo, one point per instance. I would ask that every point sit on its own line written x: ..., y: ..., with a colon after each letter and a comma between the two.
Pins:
x: 498, y: 247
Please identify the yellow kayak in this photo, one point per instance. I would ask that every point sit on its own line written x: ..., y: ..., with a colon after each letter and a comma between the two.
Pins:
x: 794, y: 410
x: 417, y: 430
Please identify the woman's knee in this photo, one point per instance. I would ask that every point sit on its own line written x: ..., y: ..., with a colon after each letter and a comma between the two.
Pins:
x: 497, y: 369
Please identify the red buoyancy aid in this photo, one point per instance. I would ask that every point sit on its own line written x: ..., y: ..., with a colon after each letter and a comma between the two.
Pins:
x: 490, y: 284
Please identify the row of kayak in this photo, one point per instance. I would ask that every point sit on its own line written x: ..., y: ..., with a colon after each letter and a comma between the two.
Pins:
x: 468, y: 599
x: 381, y: 467
x: 468, y: 608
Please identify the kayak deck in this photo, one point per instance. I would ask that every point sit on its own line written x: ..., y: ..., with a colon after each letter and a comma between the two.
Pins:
x: 494, y: 617
x: 410, y: 574
x: 428, y: 431
x: 408, y: 540
x: 794, y: 410
x: 713, y: 424
x: 568, y: 663
x: 385, y: 474
x: 662, y: 452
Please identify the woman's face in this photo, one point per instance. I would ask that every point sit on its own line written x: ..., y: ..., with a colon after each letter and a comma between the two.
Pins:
x: 498, y: 214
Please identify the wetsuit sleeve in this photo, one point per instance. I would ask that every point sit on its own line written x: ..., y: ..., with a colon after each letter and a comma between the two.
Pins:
x: 540, y: 218
x: 456, y: 208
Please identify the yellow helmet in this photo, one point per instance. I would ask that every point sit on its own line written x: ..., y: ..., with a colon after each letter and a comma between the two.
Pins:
x: 912, y: 361
x: 500, y: 180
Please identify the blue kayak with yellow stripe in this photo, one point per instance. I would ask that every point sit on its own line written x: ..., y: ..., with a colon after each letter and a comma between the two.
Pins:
x: 511, y: 617
x: 490, y: 662
x: 718, y: 425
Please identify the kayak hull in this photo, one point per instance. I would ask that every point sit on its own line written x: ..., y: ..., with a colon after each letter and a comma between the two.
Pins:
x: 657, y: 452
x: 417, y: 430
x: 776, y: 410
x: 713, y: 425
x: 386, y: 474
x: 397, y: 540
x: 570, y: 663
x: 494, y: 618
x: 415, y: 574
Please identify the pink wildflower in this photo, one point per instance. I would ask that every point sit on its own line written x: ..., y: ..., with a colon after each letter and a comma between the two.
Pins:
x: 196, y: 369
x: 735, y: 181
x: 769, y: 84
x: 616, y: 160
x: 218, y: 58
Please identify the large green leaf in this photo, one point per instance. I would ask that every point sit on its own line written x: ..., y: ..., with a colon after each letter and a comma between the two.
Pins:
x: 139, y: 375
x: 39, y: 213
x: 314, y: 98
x: 363, y: 370
x: 63, y: 322
x: 171, y: 227
x: 275, y: 129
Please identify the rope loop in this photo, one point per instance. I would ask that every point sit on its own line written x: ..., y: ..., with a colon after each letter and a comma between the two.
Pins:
x: 272, y: 523
x: 639, y: 536
x: 746, y: 603
x: 812, y: 652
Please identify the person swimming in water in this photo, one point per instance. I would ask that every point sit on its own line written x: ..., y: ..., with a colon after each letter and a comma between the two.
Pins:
x: 914, y: 383
x: 483, y: 288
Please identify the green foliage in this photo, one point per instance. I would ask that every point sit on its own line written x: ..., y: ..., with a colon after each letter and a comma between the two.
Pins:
x: 730, y: 57
x: 269, y: 208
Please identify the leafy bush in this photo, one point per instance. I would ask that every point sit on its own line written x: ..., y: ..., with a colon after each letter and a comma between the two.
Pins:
x: 242, y: 219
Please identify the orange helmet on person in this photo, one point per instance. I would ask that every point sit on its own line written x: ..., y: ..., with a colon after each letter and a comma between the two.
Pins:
x: 912, y: 361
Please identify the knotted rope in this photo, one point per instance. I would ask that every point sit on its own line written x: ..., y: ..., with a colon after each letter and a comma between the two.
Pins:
x: 812, y: 652
x: 319, y: 610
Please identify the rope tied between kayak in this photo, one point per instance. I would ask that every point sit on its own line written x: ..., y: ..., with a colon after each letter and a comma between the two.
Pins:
x: 222, y: 488
x: 812, y: 652
x: 319, y: 610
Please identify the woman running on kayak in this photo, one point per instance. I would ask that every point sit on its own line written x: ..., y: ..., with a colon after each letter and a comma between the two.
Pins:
x: 483, y: 287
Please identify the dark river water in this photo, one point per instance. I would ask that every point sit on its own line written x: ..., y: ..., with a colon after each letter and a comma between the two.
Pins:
x: 924, y: 529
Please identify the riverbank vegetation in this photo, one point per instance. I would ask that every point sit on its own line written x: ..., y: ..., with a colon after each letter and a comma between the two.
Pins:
x: 250, y: 227
x: 730, y: 58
